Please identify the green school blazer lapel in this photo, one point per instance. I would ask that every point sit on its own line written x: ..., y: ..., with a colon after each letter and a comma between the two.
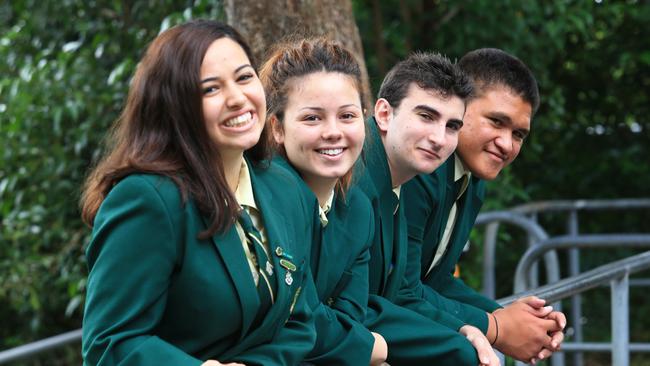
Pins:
x: 468, y: 208
x: 277, y: 229
x: 230, y: 249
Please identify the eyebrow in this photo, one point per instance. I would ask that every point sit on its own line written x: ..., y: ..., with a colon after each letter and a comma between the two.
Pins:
x: 426, y: 108
x: 216, y: 78
x: 322, y: 109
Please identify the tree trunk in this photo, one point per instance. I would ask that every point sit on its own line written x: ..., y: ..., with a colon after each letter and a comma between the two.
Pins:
x: 265, y: 22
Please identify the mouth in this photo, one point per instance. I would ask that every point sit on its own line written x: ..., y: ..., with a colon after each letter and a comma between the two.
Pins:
x: 239, y: 121
x: 496, y: 156
x: 430, y: 153
x: 331, y: 151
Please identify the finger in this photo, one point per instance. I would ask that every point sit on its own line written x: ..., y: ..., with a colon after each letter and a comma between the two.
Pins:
x: 533, y: 361
x: 544, y: 354
x: 556, y: 339
x: 541, y: 312
x: 559, y: 318
x: 533, y: 301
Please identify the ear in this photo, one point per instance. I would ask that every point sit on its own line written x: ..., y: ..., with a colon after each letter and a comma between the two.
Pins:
x: 277, y: 130
x: 383, y: 114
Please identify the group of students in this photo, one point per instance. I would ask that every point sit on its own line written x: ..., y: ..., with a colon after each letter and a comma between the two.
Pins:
x: 256, y: 217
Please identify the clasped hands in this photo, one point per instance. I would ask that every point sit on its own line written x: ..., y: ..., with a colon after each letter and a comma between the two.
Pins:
x: 527, y: 329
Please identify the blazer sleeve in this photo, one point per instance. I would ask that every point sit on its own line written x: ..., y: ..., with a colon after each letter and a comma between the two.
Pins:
x: 131, y: 258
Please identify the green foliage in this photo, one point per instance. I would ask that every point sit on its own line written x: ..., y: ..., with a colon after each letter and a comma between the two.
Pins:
x: 65, y: 75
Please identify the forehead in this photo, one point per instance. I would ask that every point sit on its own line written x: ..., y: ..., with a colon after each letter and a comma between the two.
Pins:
x: 222, y: 56
x: 416, y: 96
x: 333, y: 85
x: 502, y: 101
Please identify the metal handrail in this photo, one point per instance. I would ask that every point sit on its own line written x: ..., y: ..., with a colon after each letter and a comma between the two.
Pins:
x: 584, y: 281
x: 31, y: 349
x: 615, y: 204
x: 522, y: 273
x: 617, y: 273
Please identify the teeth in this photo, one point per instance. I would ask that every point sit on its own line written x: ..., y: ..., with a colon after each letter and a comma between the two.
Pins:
x: 239, y: 120
x: 330, y: 152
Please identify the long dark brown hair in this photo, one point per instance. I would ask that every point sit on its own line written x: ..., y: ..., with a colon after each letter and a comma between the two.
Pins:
x: 294, y: 59
x: 162, y: 130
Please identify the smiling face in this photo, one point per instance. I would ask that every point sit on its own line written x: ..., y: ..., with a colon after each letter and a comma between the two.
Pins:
x: 234, y: 106
x: 323, y: 127
x: 421, y: 133
x: 496, y: 124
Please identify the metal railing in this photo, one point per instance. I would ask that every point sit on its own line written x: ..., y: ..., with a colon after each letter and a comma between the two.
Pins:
x: 533, y: 211
x: 33, y: 349
x: 617, y: 274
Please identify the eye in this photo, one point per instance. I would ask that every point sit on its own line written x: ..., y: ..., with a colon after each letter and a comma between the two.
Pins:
x: 311, y: 118
x: 210, y: 89
x: 425, y: 116
x: 245, y: 77
x: 519, y: 135
x: 348, y: 116
x: 496, y: 121
x: 455, y: 125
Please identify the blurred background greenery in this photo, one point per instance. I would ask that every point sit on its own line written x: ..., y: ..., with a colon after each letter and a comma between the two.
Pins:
x: 66, y: 67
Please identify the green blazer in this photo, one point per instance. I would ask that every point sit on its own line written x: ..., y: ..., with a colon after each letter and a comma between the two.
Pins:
x: 158, y: 295
x: 416, y: 331
x: 339, y: 264
x: 428, y: 200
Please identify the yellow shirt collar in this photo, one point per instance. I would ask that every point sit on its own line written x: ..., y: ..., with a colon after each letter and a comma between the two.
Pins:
x: 460, y: 171
x: 323, y: 210
x: 244, y: 192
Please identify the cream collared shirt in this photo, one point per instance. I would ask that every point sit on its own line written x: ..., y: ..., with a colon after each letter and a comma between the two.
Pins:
x: 397, y: 190
x: 323, y: 210
x: 246, y: 199
x: 460, y: 172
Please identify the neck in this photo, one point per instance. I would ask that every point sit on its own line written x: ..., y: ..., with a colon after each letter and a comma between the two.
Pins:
x: 231, y: 169
x: 397, y: 176
x: 322, y: 188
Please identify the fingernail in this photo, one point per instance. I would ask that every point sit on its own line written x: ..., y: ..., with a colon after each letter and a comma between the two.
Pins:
x: 548, y: 308
x: 540, y: 356
x: 554, y: 344
x: 563, y: 324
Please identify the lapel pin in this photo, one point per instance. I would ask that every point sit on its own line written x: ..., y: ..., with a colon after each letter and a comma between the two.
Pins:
x: 288, y: 278
x: 269, y: 268
x: 288, y: 265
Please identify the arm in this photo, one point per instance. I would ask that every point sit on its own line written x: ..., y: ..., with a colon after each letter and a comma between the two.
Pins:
x: 131, y: 258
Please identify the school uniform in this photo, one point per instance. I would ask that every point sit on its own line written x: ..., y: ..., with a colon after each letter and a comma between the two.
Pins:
x: 158, y: 295
x: 416, y: 332
x: 339, y: 265
x: 434, y: 251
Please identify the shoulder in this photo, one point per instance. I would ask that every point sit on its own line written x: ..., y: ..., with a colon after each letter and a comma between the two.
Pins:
x: 149, y: 184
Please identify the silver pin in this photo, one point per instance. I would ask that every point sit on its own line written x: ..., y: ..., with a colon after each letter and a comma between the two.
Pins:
x: 269, y: 268
x: 288, y: 278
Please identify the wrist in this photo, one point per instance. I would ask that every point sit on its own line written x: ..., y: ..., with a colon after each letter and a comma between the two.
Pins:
x: 496, y: 330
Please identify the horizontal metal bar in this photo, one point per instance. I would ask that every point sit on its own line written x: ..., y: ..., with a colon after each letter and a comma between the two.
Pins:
x: 575, y: 241
x: 32, y: 349
x: 601, y: 347
x: 530, y: 226
x: 617, y: 204
x: 640, y: 282
x: 586, y: 280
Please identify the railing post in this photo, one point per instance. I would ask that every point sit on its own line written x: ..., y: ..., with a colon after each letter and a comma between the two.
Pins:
x: 576, y: 300
x: 489, y: 262
x: 620, y: 321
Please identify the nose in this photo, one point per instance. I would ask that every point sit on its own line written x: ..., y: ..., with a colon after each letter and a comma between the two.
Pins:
x: 504, y: 142
x: 235, y: 97
x: 438, y: 135
x: 331, y: 130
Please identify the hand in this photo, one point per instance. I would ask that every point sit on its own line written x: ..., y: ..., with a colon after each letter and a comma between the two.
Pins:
x: 379, y: 350
x: 486, y: 355
x: 217, y: 363
x: 556, y: 337
x: 524, y: 329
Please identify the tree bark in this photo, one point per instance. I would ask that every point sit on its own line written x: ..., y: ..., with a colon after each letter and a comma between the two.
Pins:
x: 265, y: 22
